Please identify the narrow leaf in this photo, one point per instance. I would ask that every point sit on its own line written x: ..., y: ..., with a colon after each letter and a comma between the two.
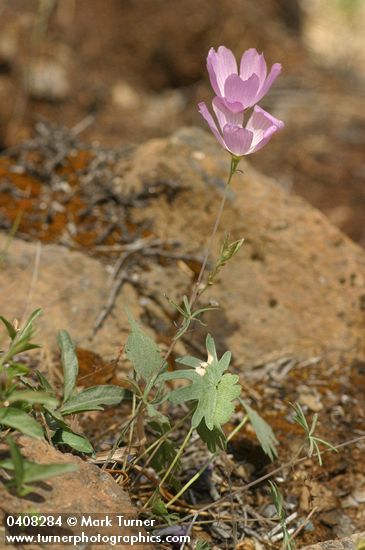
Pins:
x: 20, y: 420
x: 70, y: 364
x: 92, y: 399
x: 15, y: 369
x: 9, y: 327
x: 17, y: 460
x: 32, y: 397
x: 263, y: 431
x: 75, y: 441
x: 44, y: 382
x: 38, y: 472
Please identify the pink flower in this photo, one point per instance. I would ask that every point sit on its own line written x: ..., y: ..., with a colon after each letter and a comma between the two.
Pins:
x: 232, y: 135
x: 239, y: 91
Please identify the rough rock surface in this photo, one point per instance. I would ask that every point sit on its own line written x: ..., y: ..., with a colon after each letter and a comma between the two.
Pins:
x: 88, y: 490
x: 350, y: 543
x: 296, y: 287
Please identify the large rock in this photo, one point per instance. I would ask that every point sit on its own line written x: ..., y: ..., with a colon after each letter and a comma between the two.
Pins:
x: 296, y: 287
x: 86, y: 491
x: 356, y: 542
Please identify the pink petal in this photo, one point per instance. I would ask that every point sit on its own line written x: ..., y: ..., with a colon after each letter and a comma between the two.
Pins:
x: 241, y: 91
x: 263, y: 126
x: 225, y: 115
x: 235, y: 106
x: 253, y: 63
x: 220, y: 65
x: 203, y: 110
x: 211, y: 63
x: 274, y: 73
x: 238, y: 140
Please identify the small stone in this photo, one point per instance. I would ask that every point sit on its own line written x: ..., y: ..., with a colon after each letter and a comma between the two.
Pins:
x: 124, y: 96
x: 269, y: 511
x: 310, y: 398
x: 48, y: 80
x: 359, y: 495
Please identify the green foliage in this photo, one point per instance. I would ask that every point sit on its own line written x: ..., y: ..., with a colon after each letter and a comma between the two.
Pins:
x: 312, y: 441
x: 93, y: 399
x: 70, y: 364
x: 24, y: 402
x: 166, y: 451
x: 143, y: 353
x: 159, y: 509
x: 17, y: 419
x: 213, y: 390
x: 277, y: 498
x: 25, y: 471
x: 214, y: 439
x: 202, y: 545
x: 19, y: 339
x: 263, y: 431
x: 65, y: 436
x: 227, y: 251
x: 188, y: 315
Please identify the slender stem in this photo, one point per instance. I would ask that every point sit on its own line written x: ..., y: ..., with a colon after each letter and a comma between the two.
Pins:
x: 177, y: 456
x: 195, y: 293
x: 172, y: 465
x: 130, y: 439
x: 205, y: 466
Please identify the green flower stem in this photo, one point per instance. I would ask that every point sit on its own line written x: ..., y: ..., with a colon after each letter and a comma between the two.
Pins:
x: 205, y: 466
x: 197, y: 291
x: 233, y: 170
x: 130, y: 440
x: 161, y: 439
x: 177, y: 456
x: 172, y: 465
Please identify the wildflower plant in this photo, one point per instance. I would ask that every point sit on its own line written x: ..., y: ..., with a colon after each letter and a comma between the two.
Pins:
x: 211, y: 393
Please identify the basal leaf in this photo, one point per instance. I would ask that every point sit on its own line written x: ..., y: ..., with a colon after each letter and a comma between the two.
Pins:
x: 17, y: 460
x: 75, y: 441
x: 38, y: 472
x: 32, y: 397
x: 92, y: 399
x: 21, y: 421
x: 263, y: 431
x: 70, y: 364
x: 143, y: 353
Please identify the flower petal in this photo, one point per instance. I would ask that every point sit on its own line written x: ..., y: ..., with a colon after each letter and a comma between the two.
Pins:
x: 203, y: 110
x: 241, y: 91
x: 274, y: 73
x: 237, y: 139
x: 263, y: 126
x: 225, y: 115
x: 220, y: 65
x: 253, y: 63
